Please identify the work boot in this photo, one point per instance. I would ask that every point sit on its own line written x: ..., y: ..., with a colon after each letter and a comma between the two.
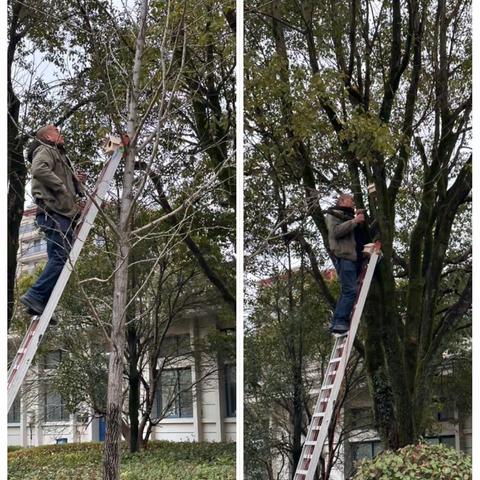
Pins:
x: 33, y: 306
x: 340, y: 329
x: 53, y: 320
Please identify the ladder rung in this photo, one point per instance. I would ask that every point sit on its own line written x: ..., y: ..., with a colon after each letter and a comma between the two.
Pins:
x: 340, y: 353
x: 336, y: 360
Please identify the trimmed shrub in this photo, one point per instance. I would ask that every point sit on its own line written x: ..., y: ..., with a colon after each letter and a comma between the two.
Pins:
x: 160, y: 460
x: 414, y: 462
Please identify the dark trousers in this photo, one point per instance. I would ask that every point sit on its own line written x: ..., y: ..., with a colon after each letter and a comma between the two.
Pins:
x: 59, y: 233
x: 348, y: 273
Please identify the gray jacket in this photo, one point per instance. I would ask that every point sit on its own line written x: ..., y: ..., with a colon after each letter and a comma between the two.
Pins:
x: 341, y: 235
x: 53, y: 182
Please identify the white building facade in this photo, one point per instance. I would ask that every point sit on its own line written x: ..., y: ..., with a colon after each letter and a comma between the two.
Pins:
x: 196, y: 396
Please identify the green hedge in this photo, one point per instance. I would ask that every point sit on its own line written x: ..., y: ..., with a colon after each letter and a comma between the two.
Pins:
x: 160, y: 460
x: 413, y: 462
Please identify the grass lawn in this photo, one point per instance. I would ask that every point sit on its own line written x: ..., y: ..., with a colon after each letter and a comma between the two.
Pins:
x: 160, y: 460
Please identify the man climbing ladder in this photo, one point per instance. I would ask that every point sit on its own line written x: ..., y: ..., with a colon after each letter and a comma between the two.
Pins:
x: 39, y: 324
x: 55, y: 188
x: 346, y: 240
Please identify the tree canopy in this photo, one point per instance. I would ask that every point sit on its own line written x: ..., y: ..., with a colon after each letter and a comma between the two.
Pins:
x: 343, y: 95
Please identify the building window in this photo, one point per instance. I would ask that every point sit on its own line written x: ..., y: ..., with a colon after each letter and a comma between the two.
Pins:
x: 14, y: 412
x: 52, y: 359
x: 447, y: 440
x: 448, y: 411
x: 174, y: 394
x: 27, y: 228
x: 230, y: 372
x: 175, y: 346
x: 33, y: 247
x: 360, y: 418
x: 361, y: 450
x: 55, y: 410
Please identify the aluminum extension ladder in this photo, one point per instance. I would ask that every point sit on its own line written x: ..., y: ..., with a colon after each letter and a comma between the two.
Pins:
x: 322, y: 415
x: 39, y: 324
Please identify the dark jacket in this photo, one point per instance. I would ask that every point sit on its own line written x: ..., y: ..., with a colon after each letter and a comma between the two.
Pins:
x: 341, y: 235
x: 54, y: 185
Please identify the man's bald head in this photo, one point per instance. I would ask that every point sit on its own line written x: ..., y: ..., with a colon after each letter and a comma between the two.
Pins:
x: 345, y: 200
x: 50, y: 133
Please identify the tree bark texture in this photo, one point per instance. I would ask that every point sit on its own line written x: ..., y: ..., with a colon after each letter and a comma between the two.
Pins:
x: 111, y: 459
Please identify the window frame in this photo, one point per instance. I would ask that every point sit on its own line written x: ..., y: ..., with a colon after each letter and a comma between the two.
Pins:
x: 179, y: 396
x: 64, y: 413
x: 230, y: 397
x: 15, y: 410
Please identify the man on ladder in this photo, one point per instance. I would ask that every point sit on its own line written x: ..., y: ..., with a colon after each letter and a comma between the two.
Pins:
x: 346, y: 239
x: 55, y: 188
x: 60, y: 238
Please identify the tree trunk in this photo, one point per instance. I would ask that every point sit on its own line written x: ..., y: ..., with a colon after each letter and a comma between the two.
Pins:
x: 111, y: 463
x: 133, y: 390
x: 17, y: 176
x: 297, y: 418
x: 17, y: 171
x: 111, y: 460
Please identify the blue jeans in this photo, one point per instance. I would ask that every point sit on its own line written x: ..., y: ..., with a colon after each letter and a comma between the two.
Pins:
x: 59, y: 232
x: 347, y: 272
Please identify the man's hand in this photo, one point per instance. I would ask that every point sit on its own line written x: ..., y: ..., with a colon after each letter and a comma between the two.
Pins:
x: 359, y: 218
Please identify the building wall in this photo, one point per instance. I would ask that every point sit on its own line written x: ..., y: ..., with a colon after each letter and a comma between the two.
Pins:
x: 208, y: 422
x: 32, y: 249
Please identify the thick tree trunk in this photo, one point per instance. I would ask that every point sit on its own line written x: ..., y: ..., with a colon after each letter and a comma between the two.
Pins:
x: 297, y: 418
x: 17, y: 176
x: 111, y: 460
x: 17, y: 171
x: 133, y: 390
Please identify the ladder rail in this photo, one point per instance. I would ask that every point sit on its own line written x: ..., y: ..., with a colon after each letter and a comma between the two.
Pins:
x: 28, y: 348
x: 326, y: 392
x: 318, y: 429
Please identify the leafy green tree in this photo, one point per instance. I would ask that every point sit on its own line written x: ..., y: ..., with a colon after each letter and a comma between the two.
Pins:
x: 163, y: 75
x: 341, y: 95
